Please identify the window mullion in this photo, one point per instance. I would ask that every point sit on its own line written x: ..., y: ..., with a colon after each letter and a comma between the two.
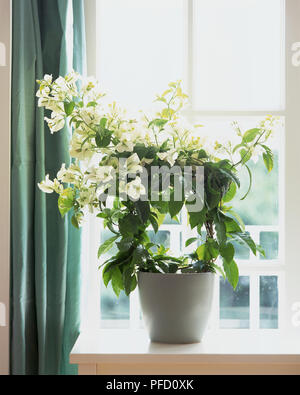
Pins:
x: 254, y: 301
x: 189, y: 49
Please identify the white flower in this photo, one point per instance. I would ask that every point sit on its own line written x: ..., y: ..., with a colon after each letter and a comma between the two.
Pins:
x: 102, y: 188
x: 100, y: 174
x: 48, y: 78
x: 43, y: 92
x: 56, y: 123
x: 169, y: 156
x: 62, y: 172
x: 129, y: 135
x: 91, y: 90
x: 146, y: 161
x: 90, y: 116
x: 49, y: 186
x: 68, y: 175
x: 87, y: 197
x: 61, y: 83
x: 135, y: 189
x: 125, y: 147
x: 72, y: 77
x: 79, y: 150
x: 58, y: 188
x: 133, y: 165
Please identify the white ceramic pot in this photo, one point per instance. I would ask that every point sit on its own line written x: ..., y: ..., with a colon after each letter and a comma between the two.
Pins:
x: 176, y: 307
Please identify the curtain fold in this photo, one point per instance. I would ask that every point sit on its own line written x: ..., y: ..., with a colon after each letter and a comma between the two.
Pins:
x: 48, y: 38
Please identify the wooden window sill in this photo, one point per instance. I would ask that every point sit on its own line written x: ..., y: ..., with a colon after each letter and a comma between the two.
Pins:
x: 122, y: 352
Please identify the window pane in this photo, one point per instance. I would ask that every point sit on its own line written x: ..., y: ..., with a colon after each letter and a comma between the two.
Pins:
x: 261, y: 207
x: 140, y: 49
x: 241, y: 251
x: 268, y: 288
x: 239, y: 54
x: 234, y: 305
x: 171, y: 221
x: 161, y: 237
x: 269, y: 242
x: 113, y: 308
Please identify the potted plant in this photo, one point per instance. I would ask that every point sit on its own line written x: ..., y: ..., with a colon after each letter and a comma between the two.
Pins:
x: 131, y: 174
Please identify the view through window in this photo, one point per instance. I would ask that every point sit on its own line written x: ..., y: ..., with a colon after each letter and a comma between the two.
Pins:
x: 232, y: 72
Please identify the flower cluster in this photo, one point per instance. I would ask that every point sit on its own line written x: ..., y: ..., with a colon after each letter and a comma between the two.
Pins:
x: 112, y: 151
x: 102, y: 134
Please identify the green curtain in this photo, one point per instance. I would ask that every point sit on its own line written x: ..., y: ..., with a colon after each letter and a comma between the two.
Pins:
x: 45, y: 249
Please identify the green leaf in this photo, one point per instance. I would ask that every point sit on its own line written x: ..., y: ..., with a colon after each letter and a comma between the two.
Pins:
x: 103, y: 138
x: 245, y: 155
x: 212, y: 200
x: 175, y: 206
x: 92, y: 104
x: 238, y: 218
x: 230, y: 175
x: 173, y: 268
x: 74, y: 221
x: 231, y: 225
x: 69, y: 107
x: 160, y: 123
x: 66, y: 201
x: 161, y: 206
x: 138, y: 256
x: 107, y: 245
x: 197, y: 218
x: 145, y: 152
x: 208, y: 250
x: 143, y: 209
x: 129, y: 224
x: 219, y: 269
x: 202, y: 154
x: 103, y: 122
x: 117, y: 281
x: 232, y: 273
x: 250, y: 135
x: 129, y: 280
x: 106, y: 276
x: 230, y: 194
x: 227, y: 252
x: 167, y: 113
x: 125, y: 244
x: 213, y: 248
x: 191, y: 241
x: 220, y: 228
x: 238, y: 146
x: 246, y: 238
x: 202, y: 253
x: 154, y: 223
x: 268, y: 161
x: 261, y: 250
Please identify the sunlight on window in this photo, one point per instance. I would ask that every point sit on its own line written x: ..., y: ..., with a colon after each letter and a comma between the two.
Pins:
x: 140, y: 49
x: 234, y: 305
x: 268, y: 288
x: 235, y: 65
x: 239, y: 47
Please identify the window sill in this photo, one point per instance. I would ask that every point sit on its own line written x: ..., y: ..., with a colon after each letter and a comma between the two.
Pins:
x: 224, y: 352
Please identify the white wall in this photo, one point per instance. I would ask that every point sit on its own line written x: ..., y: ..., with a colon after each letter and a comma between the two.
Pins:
x: 292, y: 185
x: 5, y: 37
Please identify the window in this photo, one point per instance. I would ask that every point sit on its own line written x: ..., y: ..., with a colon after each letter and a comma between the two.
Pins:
x: 232, y: 72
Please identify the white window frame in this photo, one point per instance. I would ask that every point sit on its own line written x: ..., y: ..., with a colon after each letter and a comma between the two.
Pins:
x: 286, y: 267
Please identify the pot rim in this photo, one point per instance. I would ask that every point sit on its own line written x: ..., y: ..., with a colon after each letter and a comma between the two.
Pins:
x: 176, y: 274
